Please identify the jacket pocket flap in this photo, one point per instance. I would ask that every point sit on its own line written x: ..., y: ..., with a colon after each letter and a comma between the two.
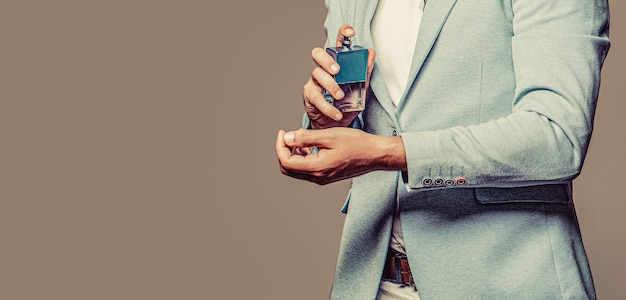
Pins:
x: 555, y: 193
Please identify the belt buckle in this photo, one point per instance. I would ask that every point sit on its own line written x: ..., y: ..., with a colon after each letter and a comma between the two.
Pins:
x: 396, y: 262
x: 398, y: 267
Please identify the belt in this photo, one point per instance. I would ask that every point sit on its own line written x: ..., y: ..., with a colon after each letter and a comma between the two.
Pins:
x: 397, y: 269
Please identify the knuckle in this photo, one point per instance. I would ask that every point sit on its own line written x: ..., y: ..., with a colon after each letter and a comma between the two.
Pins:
x: 316, y: 52
x: 300, y: 136
x: 308, y: 98
x: 308, y: 84
x: 317, y: 72
x: 313, y: 100
x: 306, y: 92
x: 309, y: 88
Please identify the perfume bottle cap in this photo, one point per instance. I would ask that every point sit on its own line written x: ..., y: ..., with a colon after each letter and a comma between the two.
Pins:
x: 347, y: 43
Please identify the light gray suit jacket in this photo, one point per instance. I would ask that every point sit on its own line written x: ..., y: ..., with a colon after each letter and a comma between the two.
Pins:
x: 501, y: 93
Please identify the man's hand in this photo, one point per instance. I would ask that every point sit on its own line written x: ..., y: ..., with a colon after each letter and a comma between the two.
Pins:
x: 342, y: 153
x: 321, y: 113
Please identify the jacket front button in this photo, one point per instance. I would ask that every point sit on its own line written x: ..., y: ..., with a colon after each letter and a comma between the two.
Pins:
x: 394, y: 133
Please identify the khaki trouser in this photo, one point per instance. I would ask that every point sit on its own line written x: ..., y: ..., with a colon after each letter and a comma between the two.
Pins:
x: 394, y: 291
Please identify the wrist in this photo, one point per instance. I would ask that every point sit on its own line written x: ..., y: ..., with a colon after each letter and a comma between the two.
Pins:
x: 390, y: 154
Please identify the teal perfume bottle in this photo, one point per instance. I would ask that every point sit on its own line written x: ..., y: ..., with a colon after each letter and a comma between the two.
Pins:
x: 352, y: 76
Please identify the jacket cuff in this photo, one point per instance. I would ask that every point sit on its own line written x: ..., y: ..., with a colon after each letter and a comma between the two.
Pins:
x: 425, y: 163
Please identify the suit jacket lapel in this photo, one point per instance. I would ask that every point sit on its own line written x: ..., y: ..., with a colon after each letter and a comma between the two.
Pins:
x: 435, y: 14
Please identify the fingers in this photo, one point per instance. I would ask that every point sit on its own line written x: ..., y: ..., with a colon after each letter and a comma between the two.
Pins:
x: 314, y: 100
x: 286, y: 141
x: 309, y: 138
x: 322, y: 78
x: 324, y: 61
x: 337, y: 158
x: 321, y: 113
x: 344, y: 31
x: 327, y: 82
x: 297, y: 166
x: 282, y: 151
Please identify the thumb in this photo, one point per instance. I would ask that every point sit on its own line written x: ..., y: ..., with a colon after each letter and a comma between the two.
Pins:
x: 306, y: 138
x: 344, y: 31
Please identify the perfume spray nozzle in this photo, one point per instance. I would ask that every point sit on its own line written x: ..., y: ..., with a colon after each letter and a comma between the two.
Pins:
x: 347, y: 43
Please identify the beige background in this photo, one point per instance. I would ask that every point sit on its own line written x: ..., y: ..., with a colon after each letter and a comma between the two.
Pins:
x: 137, y: 162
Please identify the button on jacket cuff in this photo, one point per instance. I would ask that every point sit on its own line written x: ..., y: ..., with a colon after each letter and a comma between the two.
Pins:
x: 424, y: 163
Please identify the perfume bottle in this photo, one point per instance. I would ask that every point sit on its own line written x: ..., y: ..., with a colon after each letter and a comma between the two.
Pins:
x: 352, y: 76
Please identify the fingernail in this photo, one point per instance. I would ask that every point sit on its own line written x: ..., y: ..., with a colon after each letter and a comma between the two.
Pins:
x: 334, y: 68
x: 289, y: 137
x: 338, y: 117
x: 340, y: 94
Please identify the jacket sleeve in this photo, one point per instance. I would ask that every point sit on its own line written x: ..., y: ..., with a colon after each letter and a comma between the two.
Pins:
x: 558, y: 49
